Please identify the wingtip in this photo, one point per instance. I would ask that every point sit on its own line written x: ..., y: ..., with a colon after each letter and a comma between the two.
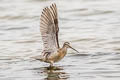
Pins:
x: 53, y: 5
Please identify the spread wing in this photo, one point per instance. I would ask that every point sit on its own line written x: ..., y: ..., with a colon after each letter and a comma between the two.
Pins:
x: 49, y: 28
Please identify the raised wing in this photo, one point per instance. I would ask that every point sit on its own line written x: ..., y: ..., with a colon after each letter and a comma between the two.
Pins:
x: 49, y: 28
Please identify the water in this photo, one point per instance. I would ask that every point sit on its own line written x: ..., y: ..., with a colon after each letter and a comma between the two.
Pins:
x: 91, y: 26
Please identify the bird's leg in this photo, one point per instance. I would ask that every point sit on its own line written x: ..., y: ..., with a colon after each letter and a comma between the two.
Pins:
x: 51, y: 64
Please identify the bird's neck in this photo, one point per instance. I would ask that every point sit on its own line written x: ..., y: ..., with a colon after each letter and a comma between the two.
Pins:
x: 62, y: 52
x: 64, y: 48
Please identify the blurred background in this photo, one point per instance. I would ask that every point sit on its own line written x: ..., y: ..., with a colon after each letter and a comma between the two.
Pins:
x: 91, y: 26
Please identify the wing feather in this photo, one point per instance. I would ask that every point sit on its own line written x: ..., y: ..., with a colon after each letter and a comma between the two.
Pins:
x: 49, y: 28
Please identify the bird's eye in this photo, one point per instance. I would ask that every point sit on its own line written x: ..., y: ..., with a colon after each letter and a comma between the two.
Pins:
x: 67, y: 43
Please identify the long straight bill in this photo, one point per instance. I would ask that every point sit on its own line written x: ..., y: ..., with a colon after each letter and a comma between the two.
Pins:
x: 74, y: 49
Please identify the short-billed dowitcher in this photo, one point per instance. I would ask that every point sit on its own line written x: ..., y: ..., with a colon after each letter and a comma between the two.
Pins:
x: 49, y: 31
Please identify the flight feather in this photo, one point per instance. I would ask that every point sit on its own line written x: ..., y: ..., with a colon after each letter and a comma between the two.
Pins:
x: 49, y: 28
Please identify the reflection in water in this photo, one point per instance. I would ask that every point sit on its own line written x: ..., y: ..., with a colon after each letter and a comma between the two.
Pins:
x: 53, y: 73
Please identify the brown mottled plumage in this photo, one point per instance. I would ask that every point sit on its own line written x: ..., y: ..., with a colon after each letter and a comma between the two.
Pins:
x: 49, y: 31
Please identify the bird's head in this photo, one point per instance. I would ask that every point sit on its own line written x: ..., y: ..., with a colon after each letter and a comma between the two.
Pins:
x: 67, y: 45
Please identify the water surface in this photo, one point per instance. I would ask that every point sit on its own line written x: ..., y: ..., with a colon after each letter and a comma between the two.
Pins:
x: 91, y: 26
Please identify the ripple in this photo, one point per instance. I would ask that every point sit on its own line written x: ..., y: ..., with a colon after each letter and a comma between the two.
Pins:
x: 18, y: 17
x: 16, y: 28
x: 1, y: 33
x: 76, y: 10
x: 101, y: 54
x: 78, y: 55
x: 93, y: 13
x: 113, y: 42
x: 111, y: 76
x: 26, y: 41
x: 84, y: 39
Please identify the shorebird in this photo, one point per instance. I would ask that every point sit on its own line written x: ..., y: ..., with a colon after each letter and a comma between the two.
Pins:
x: 49, y: 31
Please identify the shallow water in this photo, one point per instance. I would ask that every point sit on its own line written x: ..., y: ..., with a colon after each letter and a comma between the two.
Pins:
x: 91, y: 26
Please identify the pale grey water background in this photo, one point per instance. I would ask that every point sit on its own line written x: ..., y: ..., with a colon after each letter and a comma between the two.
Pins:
x: 92, y: 27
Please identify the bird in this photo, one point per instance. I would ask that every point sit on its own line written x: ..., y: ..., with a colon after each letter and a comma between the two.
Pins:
x: 49, y: 29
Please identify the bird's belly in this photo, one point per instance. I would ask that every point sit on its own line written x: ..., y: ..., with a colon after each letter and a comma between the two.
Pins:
x: 57, y: 57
